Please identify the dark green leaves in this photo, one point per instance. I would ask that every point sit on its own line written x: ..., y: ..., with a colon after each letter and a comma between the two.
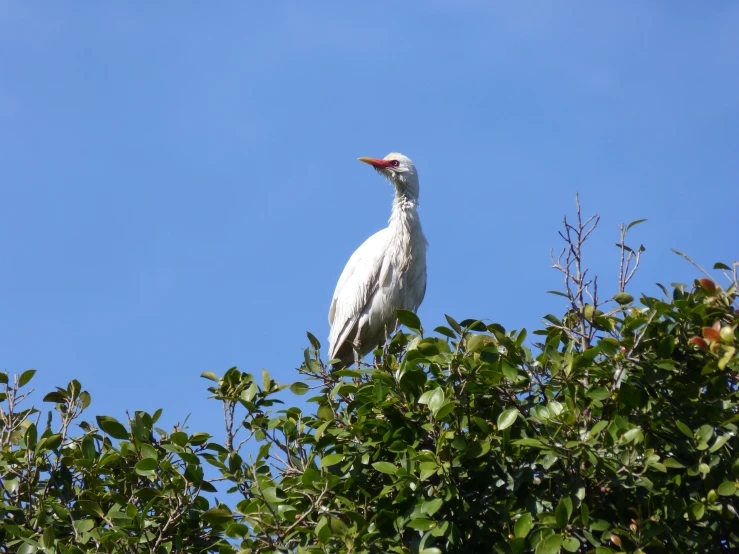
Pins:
x: 636, y: 222
x: 623, y: 298
x: 598, y: 393
x: 409, y: 319
x: 146, y: 466
x: 112, y: 427
x: 477, y: 439
x: 563, y: 512
x: 218, y: 516
x: 507, y: 418
x: 549, y: 545
x: 314, y: 342
x: 209, y: 375
x: 523, y: 526
x: 385, y: 467
x: 331, y: 460
x: 299, y: 388
x: 25, y: 377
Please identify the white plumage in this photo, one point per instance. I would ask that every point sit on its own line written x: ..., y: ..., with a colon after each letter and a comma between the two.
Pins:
x: 386, y: 273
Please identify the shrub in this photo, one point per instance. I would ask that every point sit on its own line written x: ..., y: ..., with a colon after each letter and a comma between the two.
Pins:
x: 612, y: 429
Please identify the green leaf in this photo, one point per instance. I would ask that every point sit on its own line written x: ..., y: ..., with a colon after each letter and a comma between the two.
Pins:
x: 11, y: 485
x: 84, y: 525
x: 409, y: 319
x: 529, y: 442
x: 148, y: 451
x: 349, y: 373
x: 453, y: 324
x: 321, y: 429
x: 199, y: 438
x: 549, y: 545
x: 599, y: 393
x: 571, y: 544
x: 727, y: 488
x: 51, y: 442
x: 274, y: 495
x: 563, y: 511
x: 28, y: 547
x: 597, y: 428
x: 48, y: 538
x: 673, y: 463
x: 146, y: 466
x: 600, y: 525
x: 3, y: 378
x: 88, y: 447
x: 637, y: 222
x: 85, y: 399
x: 385, y: 467
x: 684, y: 429
x: 209, y: 375
x: 720, y: 441
x: 31, y: 437
x: 523, y: 526
x: 218, y: 516
x: 696, y: 511
x: 608, y: 345
x: 26, y: 376
x: 421, y: 524
x: 331, y: 460
x: 325, y: 412
x: 251, y: 391
x: 299, y: 388
x: 446, y: 332
x: 323, y: 531
x: 113, y: 427
x: 90, y: 507
x: 585, y: 514
x: 313, y: 341
x: 179, y: 438
x: 623, y: 298
x: 436, y: 399
x: 56, y: 397
x: 444, y: 410
x: 719, y: 265
x: 430, y: 507
x: 507, y: 418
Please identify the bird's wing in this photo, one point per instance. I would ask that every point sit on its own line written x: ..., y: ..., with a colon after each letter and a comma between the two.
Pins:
x: 357, y: 284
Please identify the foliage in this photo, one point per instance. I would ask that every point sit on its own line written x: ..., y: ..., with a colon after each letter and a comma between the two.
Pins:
x: 115, y: 488
x: 612, y: 429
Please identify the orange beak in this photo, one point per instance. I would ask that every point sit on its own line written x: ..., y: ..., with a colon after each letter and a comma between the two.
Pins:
x: 377, y: 164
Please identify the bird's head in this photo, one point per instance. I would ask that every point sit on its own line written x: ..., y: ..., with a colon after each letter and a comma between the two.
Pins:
x: 401, y: 172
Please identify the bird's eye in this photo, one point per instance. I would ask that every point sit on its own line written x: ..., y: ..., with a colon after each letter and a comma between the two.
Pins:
x: 394, y: 163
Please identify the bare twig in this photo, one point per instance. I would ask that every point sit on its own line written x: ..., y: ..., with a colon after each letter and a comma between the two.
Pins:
x: 625, y: 271
x: 577, y: 285
x: 693, y: 262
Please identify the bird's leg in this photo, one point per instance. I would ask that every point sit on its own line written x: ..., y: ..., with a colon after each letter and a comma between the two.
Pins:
x: 395, y: 330
x: 357, y: 350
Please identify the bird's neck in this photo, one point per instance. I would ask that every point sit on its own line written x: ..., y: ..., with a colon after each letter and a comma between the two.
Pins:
x: 404, y: 217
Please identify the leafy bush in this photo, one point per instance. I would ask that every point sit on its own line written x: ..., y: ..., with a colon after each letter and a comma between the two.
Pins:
x: 613, y: 429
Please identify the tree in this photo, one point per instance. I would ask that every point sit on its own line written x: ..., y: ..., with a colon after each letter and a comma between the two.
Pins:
x: 613, y: 429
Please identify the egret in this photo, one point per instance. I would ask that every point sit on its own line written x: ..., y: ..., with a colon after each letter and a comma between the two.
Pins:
x: 386, y: 273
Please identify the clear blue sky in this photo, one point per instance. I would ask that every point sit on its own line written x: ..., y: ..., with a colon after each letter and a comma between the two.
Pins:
x: 180, y: 190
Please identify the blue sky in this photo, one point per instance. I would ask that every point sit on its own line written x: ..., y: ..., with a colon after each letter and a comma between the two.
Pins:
x: 180, y: 189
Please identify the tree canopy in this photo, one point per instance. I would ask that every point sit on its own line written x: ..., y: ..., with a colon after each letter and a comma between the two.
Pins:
x: 612, y: 428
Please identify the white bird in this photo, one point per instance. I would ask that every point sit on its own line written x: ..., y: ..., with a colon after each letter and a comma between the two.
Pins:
x: 386, y: 273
